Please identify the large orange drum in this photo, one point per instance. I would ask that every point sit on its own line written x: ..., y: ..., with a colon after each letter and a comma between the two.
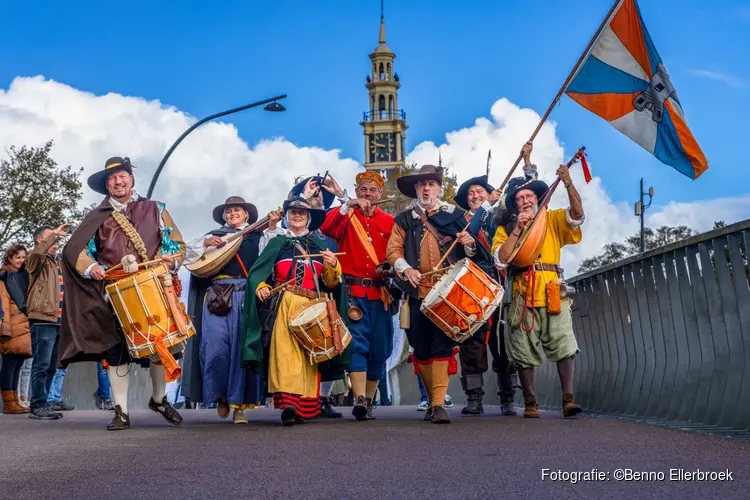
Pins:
x: 462, y: 300
x: 152, y: 317
x: 311, y: 326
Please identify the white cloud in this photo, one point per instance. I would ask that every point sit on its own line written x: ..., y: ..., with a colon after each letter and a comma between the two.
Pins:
x: 731, y: 80
x: 214, y: 163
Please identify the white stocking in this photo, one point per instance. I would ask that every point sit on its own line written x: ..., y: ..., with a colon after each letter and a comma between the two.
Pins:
x: 158, y: 382
x: 118, y: 384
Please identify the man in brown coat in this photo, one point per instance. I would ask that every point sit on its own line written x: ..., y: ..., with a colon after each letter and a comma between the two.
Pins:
x: 125, y: 223
x: 44, y: 309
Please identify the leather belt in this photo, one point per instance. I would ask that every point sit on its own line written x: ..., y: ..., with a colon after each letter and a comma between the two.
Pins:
x: 298, y: 290
x: 366, y: 282
x: 548, y: 267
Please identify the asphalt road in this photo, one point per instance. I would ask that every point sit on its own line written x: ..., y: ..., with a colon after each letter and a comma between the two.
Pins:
x: 396, y: 456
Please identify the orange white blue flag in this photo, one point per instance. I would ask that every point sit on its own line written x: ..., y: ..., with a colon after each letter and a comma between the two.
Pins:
x: 623, y: 80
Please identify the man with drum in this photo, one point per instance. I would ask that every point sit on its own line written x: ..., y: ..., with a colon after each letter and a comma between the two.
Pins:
x: 125, y: 223
x: 214, y: 357
x: 539, y: 316
x: 421, y: 235
x: 362, y: 230
x: 479, y: 199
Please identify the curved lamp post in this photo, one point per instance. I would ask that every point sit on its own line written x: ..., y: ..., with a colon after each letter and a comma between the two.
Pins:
x: 272, y: 105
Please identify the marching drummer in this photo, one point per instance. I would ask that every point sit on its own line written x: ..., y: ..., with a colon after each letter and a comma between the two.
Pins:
x: 125, y: 223
x: 421, y: 235
x: 293, y: 270
x: 362, y: 230
x: 213, y: 371
x: 480, y: 200
x: 539, y: 315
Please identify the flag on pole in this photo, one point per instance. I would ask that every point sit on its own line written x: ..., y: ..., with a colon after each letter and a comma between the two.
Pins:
x: 623, y: 80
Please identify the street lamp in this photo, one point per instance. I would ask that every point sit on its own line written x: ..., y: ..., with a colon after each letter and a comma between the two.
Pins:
x: 272, y: 106
x: 640, y: 209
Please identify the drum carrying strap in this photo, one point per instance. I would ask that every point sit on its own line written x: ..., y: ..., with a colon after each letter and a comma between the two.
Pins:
x: 132, y: 234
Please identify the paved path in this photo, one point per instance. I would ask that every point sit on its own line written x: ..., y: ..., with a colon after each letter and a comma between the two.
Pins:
x: 396, y: 456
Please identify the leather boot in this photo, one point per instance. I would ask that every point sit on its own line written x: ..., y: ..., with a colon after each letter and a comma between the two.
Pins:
x: 532, y: 407
x: 120, y: 421
x: 472, y: 386
x: 10, y: 405
x: 326, y: 408
x: 18, y: 402
x: 570, y: 408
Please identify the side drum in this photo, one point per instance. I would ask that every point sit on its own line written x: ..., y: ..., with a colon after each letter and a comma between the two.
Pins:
x: 311, y: 326
x: 141, y: 303
x: 462, y: 300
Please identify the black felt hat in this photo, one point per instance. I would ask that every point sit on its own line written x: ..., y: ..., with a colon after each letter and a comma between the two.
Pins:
x: 462, y: 196
x: 98, y: 180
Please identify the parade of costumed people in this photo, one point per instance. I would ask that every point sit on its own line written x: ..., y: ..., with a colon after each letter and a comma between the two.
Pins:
x: 422, y: 236
x: 125, y: 232
x: 212, y: 370
x: 361, y: 230
x: 296, y: 280
x: 539, y: 316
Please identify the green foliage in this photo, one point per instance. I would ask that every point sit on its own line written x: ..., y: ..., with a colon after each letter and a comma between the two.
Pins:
x: 35, y: 191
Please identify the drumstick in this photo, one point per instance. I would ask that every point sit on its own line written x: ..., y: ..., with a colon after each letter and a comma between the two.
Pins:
x: 436, y: 271
x: 274, y: 290
x: 142, y: 264
x: 450, y: 249
x: 304, y: 256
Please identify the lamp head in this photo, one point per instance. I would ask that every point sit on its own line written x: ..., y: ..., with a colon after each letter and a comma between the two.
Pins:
x: 275, y: 107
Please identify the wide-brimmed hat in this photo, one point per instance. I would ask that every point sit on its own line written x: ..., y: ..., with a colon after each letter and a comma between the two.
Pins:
x: 462, y: 196
x: 407, y: 183
x: 236, y: 201
x: 98, y: 180
x: 300, y: 186
x: 317, y: 216
x: 520, y: 183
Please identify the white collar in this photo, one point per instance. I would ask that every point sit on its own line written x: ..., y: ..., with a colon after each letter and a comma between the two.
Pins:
x: 441, y: 206
x: 122, y: 206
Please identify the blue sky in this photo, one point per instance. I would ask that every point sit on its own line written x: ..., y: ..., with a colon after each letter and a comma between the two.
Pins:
x: 454, y: 63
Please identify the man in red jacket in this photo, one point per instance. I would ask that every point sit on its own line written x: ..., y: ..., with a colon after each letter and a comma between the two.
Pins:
x: 362, y: 230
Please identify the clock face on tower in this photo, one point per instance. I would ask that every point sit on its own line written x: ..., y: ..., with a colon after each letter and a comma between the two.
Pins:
x: 382, y: 147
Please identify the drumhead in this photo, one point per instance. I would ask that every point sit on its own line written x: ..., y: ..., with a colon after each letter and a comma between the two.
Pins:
x: 308, y: 314
x: 446, y: 282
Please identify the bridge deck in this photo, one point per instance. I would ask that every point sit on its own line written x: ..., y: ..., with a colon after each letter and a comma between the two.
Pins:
x: 396, y: 456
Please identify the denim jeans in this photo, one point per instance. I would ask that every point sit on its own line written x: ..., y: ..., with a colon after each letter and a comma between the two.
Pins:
x: 44, y: 342
x: 24, y: 382
x: 422, y: 389
x: 103, y: 390
x: 55, y: 390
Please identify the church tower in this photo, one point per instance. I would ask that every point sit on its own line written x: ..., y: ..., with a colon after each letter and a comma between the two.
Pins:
x: 384, y: 124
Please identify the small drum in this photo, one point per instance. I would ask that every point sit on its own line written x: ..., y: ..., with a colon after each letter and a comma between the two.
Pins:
x: 462, y: 300
x: 142, y: 307
x: 311, y: 327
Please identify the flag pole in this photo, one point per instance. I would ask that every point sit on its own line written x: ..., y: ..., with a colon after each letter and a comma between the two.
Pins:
x: 564, y: 86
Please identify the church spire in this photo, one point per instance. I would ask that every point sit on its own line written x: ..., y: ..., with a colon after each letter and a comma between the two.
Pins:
x: 382, y: 24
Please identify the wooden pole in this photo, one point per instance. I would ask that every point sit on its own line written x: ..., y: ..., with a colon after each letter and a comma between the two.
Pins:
x: 562, y: 89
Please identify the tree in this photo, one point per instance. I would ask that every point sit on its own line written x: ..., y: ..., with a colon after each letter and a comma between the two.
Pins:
x: 400, y: 202
x: 34, y: 191
x: 614, y: 252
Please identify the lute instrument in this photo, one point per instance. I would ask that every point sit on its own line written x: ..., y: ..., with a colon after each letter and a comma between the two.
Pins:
x: 215, y: 258
x: 529, y: 244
